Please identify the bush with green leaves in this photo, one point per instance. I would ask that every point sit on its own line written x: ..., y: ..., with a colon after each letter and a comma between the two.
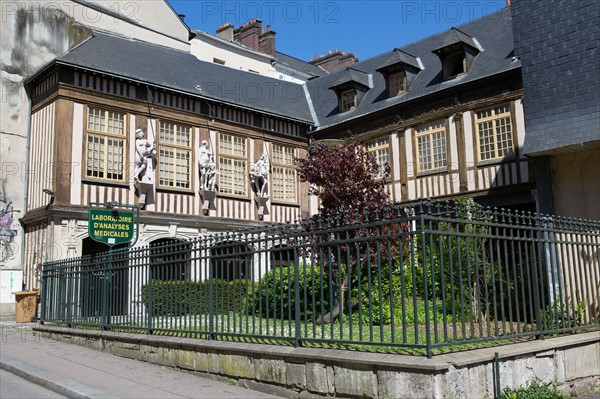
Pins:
x: 275, y: 296
x: 181, y: 297
x: 559, y: 315
x: 535, y: 390
x: 462, y: 262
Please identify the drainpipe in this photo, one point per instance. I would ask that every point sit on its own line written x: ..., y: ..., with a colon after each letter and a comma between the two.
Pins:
x: 26, y: 196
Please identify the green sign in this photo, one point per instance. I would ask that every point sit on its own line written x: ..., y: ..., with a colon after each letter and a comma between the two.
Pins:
x: 110, y: 226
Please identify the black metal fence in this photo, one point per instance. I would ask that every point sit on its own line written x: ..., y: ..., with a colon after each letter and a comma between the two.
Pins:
x: 424, y: 278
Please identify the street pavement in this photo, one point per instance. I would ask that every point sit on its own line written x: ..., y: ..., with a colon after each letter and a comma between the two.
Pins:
x: 78, y: 372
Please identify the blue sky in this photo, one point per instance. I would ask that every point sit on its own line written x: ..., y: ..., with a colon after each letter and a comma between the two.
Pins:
x: 367, y: 28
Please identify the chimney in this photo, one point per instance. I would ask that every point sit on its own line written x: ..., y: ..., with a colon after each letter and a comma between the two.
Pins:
x: 225, y: 31
x: 334, y: 60
x: 266, y: 41
x: 507, y: 3
x: 248, y: 34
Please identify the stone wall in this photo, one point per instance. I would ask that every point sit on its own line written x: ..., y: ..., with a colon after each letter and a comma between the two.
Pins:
x: 32, y: 36
x: 312, y: 372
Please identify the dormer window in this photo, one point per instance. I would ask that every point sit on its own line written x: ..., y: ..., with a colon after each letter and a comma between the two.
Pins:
x: 454, y: 64
x: 457, y: 53
x: 399, y: 71
x: 396, y: 83
x: 350, y: 87
x: 347, y: 100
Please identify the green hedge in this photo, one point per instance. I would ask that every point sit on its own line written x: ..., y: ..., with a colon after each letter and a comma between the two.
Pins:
x: 275, y: 296
x: 193, y: 297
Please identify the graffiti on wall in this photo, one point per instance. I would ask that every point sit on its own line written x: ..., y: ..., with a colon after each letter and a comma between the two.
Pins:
x: 7, y: 233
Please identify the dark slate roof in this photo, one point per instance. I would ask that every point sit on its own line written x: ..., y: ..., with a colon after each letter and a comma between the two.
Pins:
x: 454, y: 36
x: 351, y: 75
x: 398, y: 56
x: 299, y: 65
x: 180, y: 71
x: 493, y: 32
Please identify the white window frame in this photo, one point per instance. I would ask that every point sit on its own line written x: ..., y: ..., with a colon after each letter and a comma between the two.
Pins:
x: 285, y: 177
x: 235, y: 159
x: 431, y: 141
x: 181, y: 143
x: 108, y: 132
x: 380, y: 149
x: 490, y: 129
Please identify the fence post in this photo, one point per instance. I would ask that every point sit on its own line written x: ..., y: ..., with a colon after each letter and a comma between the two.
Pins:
x: 536, y: 283
x: 106, y: 293
x: 425, y: 279
x: 211, y: 323
x: 149, y: 304
x: 44, y: 300
x: 297, y: 330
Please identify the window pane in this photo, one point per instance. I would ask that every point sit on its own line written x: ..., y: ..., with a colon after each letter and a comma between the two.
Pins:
x: 380, y: 149
x: 431, y: 146
x: 232, y: 165
x: 284, y: 173
x: 105, y: 153
x: 494, y: 129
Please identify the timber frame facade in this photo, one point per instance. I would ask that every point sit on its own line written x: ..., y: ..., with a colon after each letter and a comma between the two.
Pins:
x: 502, y: 181
x: 445, y: 136
x: 63, y: 101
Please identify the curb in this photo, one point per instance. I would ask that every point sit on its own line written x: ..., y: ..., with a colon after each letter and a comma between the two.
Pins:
x: 54, y: 382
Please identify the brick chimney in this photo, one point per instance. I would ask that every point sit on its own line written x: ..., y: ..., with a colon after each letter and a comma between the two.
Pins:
x: 248, y: 34
x: 334, y: 60
x: 225, y: 31
x: 266, y: 41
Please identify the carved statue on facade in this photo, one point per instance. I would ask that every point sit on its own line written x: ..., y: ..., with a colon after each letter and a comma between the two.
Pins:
x: 209, y: 176
x: 145, y: 152
x: 208, y: 168
x: 259, y: 176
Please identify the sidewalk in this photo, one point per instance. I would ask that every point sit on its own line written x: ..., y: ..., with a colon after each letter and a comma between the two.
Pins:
x: 79, y: 372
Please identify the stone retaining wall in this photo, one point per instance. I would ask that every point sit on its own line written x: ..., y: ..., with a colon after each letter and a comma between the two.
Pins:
x: 311, y: 372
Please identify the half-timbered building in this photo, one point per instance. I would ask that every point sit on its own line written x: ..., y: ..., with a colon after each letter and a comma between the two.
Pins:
x: 446, y: 112
x: 87, y: 107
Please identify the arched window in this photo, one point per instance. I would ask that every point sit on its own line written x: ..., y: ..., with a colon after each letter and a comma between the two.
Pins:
x: 170, y: 259
x: 282, y: 255
x: 100, y: 271
x: 231, y: 260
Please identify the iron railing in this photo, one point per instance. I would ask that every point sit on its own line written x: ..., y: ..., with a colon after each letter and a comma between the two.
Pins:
x: 424, y: 278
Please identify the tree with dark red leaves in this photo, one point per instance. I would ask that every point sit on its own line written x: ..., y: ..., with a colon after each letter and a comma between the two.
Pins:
x: 354, y: 206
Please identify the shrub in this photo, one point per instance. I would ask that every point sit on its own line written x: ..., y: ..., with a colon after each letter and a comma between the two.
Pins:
x: 558, y: 315
x: 193, y: 297
x: 535, y: 391
x: 275, y: 295
x: 376, y: 308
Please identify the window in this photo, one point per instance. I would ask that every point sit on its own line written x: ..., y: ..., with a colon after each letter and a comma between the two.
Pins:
x: 284, y: 173
x: 396, y: 83
x: 230, y: 261
x: 170, y: 259
x: 105, y: 145
x: 454, y: 64
x: 347, y: 100
x: 494, y: 132
x: 431, y: 146
x: 174, y: 155
x: 218, y: 61
x: 380, y: 149
x: 232, y: 165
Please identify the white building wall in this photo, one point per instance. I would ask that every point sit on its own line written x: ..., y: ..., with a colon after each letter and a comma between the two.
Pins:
x: 33, y: 33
